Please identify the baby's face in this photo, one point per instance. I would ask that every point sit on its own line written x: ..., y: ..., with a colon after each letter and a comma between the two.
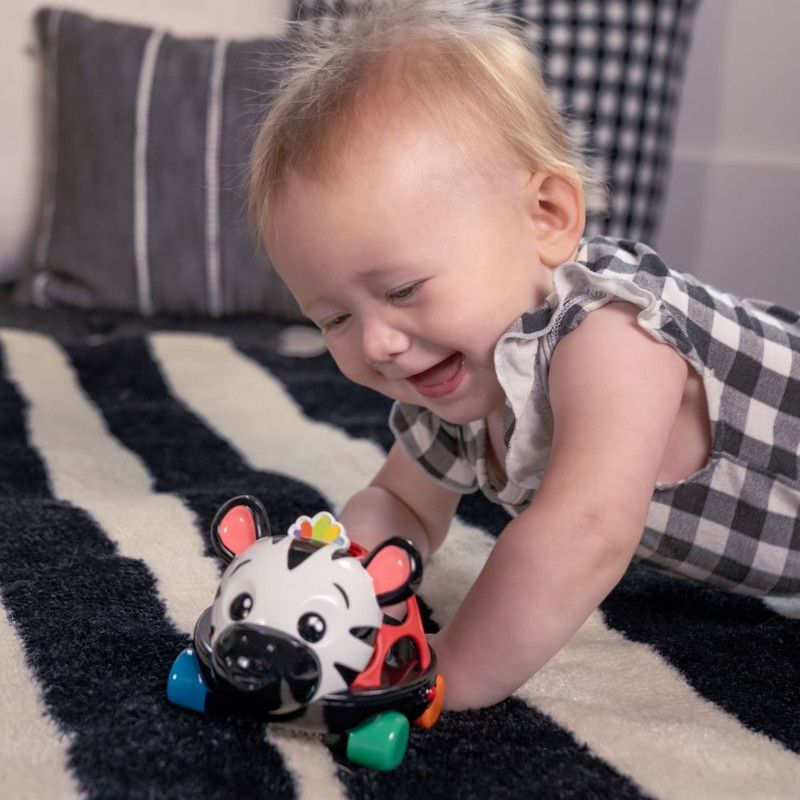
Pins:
x: 413, y: 263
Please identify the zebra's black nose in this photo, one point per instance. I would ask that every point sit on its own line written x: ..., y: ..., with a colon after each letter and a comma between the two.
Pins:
x: 256, y: 659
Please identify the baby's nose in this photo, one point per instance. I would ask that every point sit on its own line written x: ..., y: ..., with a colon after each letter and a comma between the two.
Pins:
x: 383, y: 342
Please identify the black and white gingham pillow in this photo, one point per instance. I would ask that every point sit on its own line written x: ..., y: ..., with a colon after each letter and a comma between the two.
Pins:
x: 615, y: 69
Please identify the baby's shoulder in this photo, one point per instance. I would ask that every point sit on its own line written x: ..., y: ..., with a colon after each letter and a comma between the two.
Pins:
x: 609, y: 341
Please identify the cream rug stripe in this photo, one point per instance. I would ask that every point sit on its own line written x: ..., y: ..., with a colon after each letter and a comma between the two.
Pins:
x: 601, y: 687
x: 244, y: 405
x: 312, y: 767
x: 107, y: 480
x: 630, y: 708
x: 33, y: 752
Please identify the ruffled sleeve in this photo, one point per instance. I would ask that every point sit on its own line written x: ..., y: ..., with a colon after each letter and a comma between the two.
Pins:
x: 444, y: 450
x: 607, y: 270
x: 604, y: 271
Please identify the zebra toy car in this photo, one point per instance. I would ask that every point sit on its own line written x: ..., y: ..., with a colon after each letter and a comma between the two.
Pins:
x: 296, y: 636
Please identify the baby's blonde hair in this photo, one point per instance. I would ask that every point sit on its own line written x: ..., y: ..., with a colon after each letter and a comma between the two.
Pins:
x: 464, y: 64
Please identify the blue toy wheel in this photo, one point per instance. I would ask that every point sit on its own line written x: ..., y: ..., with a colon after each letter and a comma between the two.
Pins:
x: 185, y: 684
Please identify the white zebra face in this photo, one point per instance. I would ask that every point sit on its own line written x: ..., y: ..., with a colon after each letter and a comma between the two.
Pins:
x: 291, y: 622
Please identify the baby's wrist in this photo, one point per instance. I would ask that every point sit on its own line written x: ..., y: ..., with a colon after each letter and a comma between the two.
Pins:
x: 458, y: 693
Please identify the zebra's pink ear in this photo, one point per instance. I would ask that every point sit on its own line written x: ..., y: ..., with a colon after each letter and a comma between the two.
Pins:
x: 395, y: 567
x: 240, y: 522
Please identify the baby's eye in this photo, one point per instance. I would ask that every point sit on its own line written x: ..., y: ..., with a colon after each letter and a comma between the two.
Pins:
x: 403, y: 292
x: 333, y: 323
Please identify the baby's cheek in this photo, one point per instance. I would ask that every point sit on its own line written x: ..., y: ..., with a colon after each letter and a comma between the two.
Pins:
x: 355, y: 369
x: 339, y: 354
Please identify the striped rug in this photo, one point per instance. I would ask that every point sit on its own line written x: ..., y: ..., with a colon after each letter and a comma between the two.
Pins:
x: 115, y: 450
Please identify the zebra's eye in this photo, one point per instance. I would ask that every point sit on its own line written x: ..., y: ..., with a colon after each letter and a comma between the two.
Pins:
x: 241, y: 606
x: 311, y: 627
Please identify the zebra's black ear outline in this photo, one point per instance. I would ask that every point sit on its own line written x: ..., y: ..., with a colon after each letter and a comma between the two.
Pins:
x: 240, y: 522
x: 395, y: 567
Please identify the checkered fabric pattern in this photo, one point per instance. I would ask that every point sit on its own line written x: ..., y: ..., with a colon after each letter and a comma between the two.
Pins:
x: 615, y: 69
x: 735, y: 522
x: 448, y: 452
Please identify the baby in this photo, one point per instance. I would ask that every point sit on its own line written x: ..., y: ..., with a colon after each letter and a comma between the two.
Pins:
x: 420, y: 197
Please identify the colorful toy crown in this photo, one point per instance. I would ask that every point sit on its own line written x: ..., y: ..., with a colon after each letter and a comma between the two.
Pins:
x: 322, y: 527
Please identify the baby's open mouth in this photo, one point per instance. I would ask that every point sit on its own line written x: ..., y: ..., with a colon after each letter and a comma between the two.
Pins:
x: 440, y: 379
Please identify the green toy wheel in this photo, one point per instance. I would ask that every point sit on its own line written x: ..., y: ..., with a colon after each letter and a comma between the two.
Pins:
x: 380, y: 742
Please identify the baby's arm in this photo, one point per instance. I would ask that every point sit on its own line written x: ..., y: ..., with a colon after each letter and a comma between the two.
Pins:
x: 615, y: 394
x: 400, y: 501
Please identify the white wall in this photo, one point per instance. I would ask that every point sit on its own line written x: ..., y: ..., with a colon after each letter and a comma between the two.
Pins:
x: 732, y: 214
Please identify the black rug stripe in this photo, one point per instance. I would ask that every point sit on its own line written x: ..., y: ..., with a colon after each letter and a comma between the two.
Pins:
x: 733, y: 650
x: 507, y: 751
x: 22, y: 474
x: 97, y: 640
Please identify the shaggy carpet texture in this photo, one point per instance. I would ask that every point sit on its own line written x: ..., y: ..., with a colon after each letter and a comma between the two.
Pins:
x: 118, y: 443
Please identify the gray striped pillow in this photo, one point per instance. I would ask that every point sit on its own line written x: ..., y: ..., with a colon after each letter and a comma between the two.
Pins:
x: 144, y: 207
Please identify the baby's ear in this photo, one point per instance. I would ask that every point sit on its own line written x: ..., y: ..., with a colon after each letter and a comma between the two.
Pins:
x: 558, y: 214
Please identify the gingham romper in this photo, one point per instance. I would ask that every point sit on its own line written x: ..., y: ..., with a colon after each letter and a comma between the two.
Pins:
x: 734, y: 523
